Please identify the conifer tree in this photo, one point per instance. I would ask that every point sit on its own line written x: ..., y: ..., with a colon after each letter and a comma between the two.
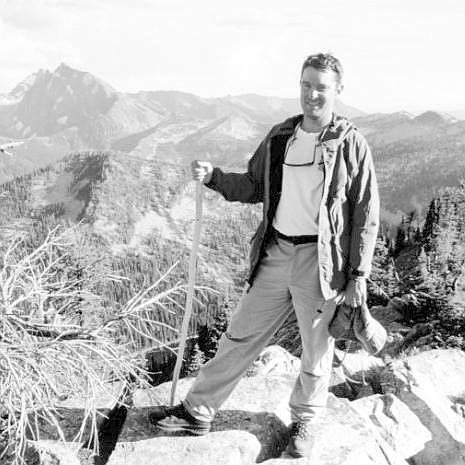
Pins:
x: 196, y: 360
x: 401, y: 237
x: 209, y: 335
x: 384, y: 282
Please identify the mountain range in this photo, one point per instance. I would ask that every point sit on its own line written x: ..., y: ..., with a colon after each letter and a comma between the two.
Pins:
x: 70, y: 111
x: 414, y: 157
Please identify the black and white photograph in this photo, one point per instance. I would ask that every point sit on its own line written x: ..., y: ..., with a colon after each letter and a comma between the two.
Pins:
x: 232, y: 232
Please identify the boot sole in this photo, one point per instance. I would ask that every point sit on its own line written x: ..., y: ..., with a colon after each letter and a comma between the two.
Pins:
x: 183, y: 429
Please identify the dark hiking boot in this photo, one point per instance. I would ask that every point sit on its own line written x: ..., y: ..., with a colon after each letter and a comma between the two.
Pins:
x: 177, y: 419
x: 300, y: 441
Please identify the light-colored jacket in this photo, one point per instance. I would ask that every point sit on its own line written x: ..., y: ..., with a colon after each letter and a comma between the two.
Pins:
x: 349, y: 210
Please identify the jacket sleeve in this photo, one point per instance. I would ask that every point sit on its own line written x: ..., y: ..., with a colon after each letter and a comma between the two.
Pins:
x: 243, y: 187
x: 365, y: 212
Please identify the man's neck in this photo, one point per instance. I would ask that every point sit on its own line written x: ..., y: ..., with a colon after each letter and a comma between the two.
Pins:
x: 315, y: 125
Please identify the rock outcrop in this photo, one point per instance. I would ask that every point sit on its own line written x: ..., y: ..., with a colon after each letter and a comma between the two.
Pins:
x: 251, y: 427
x: 417, y: 419
x: 395, y: 422
x: 432, y: 385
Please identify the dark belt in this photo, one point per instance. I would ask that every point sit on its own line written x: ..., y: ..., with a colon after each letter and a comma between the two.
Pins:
x: 296, y: 240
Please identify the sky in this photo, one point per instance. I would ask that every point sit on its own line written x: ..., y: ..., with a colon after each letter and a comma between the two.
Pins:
x: 397, y: 54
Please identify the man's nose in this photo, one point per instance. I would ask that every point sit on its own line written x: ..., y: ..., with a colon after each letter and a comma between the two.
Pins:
x: 313, y: 94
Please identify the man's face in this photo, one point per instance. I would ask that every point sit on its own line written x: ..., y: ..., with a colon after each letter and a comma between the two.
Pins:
x: 318, y: 92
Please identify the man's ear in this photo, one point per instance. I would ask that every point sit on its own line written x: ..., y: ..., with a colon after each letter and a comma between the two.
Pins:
x: 339, y: 88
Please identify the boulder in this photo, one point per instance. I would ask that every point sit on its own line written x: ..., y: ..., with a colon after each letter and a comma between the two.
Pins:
x: 344, y: 437
x: 275, y: 359
x: 55, y: 453
x: 431, y: 384
x: 395, y: 422
x: 104, y: 396
x: 391, y: 316
x: 228, y: 448
x: 355, y: 374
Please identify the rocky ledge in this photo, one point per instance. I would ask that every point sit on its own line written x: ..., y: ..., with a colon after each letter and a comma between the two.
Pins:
x: 415, y: 417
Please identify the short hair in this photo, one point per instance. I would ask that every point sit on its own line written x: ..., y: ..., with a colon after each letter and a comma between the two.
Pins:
x: 324, y: 62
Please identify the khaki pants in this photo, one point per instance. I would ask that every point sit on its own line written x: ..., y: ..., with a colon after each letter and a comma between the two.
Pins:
x: 287, y: 280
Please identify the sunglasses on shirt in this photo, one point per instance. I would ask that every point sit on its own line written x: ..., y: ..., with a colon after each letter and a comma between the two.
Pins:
x: 309, y: 163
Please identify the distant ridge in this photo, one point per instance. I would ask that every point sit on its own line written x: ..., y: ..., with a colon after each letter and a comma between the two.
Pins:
x: 68, y: 110
x: 435, y: 118
x: 46, y: 103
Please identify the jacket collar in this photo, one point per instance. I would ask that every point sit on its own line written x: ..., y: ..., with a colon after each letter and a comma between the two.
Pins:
x: 332, y: 135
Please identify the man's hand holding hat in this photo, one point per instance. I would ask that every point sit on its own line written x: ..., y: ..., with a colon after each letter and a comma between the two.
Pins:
x: 355, y: 293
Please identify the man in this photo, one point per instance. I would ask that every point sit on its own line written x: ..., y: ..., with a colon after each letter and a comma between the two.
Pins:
x: 314, y: 175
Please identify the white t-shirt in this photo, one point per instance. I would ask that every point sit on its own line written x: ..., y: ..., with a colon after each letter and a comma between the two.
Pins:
x: 302, y: 186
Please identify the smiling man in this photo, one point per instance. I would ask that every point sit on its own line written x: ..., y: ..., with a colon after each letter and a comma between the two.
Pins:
x: 314, y: 175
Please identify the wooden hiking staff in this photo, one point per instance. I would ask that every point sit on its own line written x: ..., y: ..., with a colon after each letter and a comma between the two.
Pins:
x: 190, y: 288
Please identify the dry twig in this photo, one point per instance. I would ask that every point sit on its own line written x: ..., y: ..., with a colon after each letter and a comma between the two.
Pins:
x: 47, y: 354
